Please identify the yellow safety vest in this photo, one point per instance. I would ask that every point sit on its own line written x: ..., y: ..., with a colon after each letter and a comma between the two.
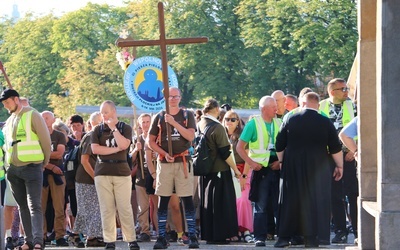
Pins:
x: 258, y: 150
x: 2, y: 171
x: 26, y: 141
x: 347, y: 107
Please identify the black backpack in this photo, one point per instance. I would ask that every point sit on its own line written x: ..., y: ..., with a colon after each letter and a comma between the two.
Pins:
x: 202, y: 162
x: 120, y: 127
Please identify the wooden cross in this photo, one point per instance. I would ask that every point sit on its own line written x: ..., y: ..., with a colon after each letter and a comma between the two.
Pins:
x: 162, y: 42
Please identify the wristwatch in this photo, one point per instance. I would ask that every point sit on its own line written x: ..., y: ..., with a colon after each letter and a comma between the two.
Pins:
x: 244, y: 176
x: 115, y: 129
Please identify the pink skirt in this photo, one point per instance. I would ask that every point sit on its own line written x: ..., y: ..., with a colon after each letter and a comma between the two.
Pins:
x: 244, y: 207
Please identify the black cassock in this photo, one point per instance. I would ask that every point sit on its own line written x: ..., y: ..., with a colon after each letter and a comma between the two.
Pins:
x: 305, y: 194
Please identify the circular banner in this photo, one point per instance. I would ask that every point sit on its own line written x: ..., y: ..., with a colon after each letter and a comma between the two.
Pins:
x: 143, y: 83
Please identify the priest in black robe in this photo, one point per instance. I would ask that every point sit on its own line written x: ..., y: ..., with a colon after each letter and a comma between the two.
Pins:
x: 305, y: 145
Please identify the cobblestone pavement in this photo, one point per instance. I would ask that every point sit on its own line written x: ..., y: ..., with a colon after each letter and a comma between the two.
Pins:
x: 233, y: 246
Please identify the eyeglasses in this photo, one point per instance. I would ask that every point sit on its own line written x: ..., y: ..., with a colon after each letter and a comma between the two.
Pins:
x: 344, y: 89
x: 231, y: 119
x: 176, y: 97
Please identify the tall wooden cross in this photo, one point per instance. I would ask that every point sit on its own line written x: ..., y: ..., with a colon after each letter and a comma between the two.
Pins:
x: 162, y: 42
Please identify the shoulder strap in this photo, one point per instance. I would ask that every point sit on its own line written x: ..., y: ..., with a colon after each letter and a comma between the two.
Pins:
x: 100, y: 130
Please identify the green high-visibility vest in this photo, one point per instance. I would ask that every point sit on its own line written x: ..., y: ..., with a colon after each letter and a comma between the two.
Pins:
x: 347, y: 107
x: 26, y: 141
x: 2, y: 171
x: 258, y: 150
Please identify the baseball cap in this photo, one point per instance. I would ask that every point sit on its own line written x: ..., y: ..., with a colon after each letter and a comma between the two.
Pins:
x: 7, y: 93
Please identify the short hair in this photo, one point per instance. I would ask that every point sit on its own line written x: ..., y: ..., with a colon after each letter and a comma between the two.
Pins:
x: 144, y: 115
x: 59, y: 125
x: 263, y: 101
x: 110, y: 103
x: 305, y: 91
x: 209, y: 105
x: 226, y: 106
x: 75, y: 119
x: 293, y: 97
x: 312, y: 97
x: 334, y: 81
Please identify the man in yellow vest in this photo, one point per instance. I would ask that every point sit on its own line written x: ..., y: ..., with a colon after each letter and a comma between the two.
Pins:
x: 341, y: 110
x: 28, y: 147
x: 260, y: 133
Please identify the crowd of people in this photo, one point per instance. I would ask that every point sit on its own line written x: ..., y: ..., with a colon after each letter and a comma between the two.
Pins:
x: 281, y: 173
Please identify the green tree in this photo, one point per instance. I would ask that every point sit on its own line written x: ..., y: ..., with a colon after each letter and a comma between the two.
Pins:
x: 31, y: 65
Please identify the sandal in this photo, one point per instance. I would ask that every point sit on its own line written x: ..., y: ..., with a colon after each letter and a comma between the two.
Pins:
x: 234, y: 239
x: 248, y: 238
x: 25, y: 246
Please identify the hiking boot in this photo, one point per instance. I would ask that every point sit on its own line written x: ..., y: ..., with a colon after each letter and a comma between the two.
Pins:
x: 172, y: 236
x: 161, y: 243
x: 95, y: 242
x: 110, y: 245
x: 61, y: 242
x: 143, y: 237
x: 184, y: 240
x: 133, y: 245
x: 9, y: 243
x: 193, y: 243
x: 340, y: 237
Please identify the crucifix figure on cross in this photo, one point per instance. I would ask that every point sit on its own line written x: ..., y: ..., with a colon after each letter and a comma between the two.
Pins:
x: 162, y: 42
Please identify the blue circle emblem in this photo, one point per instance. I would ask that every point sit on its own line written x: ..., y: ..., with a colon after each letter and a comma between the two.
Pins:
x: 143, y: 83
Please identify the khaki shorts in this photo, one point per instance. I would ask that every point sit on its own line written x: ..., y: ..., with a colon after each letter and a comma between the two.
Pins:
x: 170, y: 178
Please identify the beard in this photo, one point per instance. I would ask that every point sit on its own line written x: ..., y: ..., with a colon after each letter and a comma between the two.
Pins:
x: 12, y: 110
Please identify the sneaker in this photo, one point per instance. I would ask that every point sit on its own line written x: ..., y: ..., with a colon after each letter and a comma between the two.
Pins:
x: 193, y: 243
x: 161, y: 243
x: 95, y: 242
x: 133, y: 245
x: 61, y: 242
x: 184, y: 240
x: 110, y: 245
x: 143, y: 237
x: 10, y: 244
x: 260, y: 243
x: 340, y: 237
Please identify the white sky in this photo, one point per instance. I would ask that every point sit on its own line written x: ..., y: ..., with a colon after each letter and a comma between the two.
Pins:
x: 41, y: 7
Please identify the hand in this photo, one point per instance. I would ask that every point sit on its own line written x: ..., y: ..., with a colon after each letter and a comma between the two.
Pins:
x: 243, y: 183
x: 169, y: 119
x: 338, y: 173
x: 349, y: 156
x: 255, y: 166
x: 275, y: 165
x: 112, y: 123
x: 57, y: 170
x: 237, y: 173
x: 169, y: 158
x: 138, y: 146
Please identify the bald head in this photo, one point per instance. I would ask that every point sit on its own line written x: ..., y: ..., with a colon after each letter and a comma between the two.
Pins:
x: 280, y: 98
x: 95, y: 119
x: 266, y: 101
x: 49, y: 119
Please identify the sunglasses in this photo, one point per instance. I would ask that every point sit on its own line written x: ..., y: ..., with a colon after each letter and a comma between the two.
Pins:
x: 231, y: 119
x: 345, y: 89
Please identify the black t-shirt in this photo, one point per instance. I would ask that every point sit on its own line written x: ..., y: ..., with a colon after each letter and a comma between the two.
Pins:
x: 105, y: 164
x: 179, y: 143
x: 81, y: 175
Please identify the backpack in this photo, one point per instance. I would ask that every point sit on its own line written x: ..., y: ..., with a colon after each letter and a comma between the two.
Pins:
x: 71, y: 163
x: 202, y: 162
x: 120, y: 127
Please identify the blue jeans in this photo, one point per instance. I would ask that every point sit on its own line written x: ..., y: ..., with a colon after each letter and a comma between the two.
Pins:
x: 267, y: 203
x: 26, y: 185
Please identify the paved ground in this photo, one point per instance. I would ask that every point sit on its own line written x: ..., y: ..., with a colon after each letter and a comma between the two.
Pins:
x: 233, y: 246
